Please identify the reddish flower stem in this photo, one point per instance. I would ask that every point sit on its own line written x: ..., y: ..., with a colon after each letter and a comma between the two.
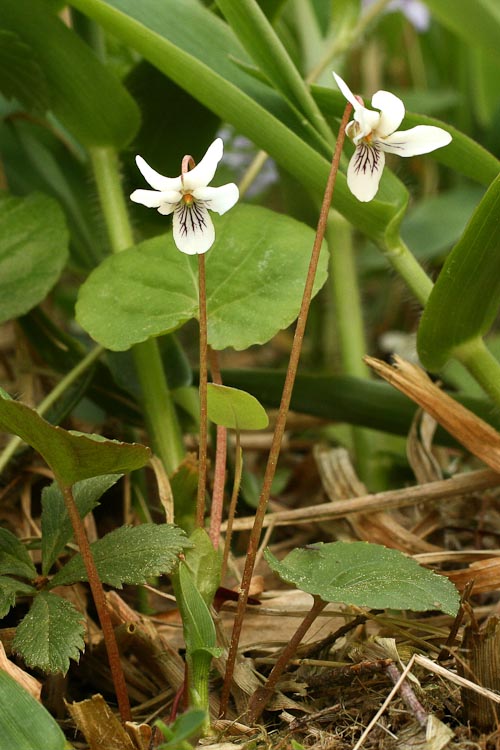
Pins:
x: 220, y: 461
x: 100, y: 604
x: 202, y: 454
x: 253, y: 543
x: 263, y: 695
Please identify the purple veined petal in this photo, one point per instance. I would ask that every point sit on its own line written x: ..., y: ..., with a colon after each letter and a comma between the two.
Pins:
x: 346, y: 91
x: 392, y: 111
x: 204, y: 171
x: 418, y: 140
x: 156, y: 198
x: 218, y: 199
x: 364, y: 171
x: 155, y: 179
x: 194, y: 231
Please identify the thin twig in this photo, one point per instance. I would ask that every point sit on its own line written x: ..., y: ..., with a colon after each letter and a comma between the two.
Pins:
x: 100, y: 604
x: 282, y: 415
x: 238, y: 469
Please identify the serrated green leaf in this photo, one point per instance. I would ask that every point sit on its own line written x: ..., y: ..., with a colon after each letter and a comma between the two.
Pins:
x: 255, y: 281
x: 33, y: 251
x: 366, y: 575
x: 56, y: 526
x: 21, y: 76
x: 50, y: 634
x: 14, y: 557
x: 71, y: 457
x: 236, y: 409
x: 130, y: 554
x: 9, y: 589
x: 24, y: 721
x: 84, y: 94
x: 464, y: 301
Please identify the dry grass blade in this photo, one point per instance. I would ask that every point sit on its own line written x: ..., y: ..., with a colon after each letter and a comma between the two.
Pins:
x: 471, y: 431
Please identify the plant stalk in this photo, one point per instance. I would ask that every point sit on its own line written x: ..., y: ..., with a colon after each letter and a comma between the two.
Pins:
x: 263, y: 695
x: 161, y: 417
x: 100, y: 604
x: 253, y: 543
x: 482, y: 365
x: 220, y: 462
x: 202, y: 451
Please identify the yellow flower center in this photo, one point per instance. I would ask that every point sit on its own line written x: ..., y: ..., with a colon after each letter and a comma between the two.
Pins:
x: 188, y: 199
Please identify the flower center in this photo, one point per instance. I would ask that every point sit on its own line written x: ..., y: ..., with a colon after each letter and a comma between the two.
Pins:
x: 188, y: 199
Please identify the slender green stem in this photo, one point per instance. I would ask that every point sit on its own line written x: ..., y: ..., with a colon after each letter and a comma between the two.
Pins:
x: 482, y: 365
x: 410, y: 270
x: 274, y: 452
x: 238, y: 471
x: 202, y: 453
x: 161, y: 417
x: 341, y: 44
x: 51, y: 399
x: 100, y: 604
x: 349, y: 321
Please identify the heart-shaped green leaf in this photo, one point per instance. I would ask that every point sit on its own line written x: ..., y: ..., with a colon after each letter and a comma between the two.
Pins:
x: 255, y: 280
x: 366, y: 575
x: 72, y: 457
x: 235, y: 409
x: 33, y: 251
x: 464, y: 301
x: 51, y: 634
x: 21, y: 77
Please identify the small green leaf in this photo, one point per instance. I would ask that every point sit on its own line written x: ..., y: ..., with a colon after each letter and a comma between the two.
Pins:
x: 464, y: 301
x: 9, y: 588
x: 50, y: 634
x: 199, y: 628
x: 25, y: 721
x: 366, y: 575
x: 130, y: 554
x: 71, y: 457
x: 56, y: 526
x: 85, y: 96
x: 255, y: 281
x: 204, y: 564
x: 236, y: 409
x: 33, y: 251
x: 14, y: 557
x: 21, y: 76
x: 185, y: 726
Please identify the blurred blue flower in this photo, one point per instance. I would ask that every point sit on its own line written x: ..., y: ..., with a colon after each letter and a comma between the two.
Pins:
x: 415, y: 11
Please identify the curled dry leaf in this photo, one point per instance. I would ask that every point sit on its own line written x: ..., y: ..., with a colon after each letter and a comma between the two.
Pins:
x: 472, y: 432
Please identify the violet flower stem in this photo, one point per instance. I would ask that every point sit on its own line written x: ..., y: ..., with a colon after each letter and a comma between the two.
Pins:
x: 253, y: 543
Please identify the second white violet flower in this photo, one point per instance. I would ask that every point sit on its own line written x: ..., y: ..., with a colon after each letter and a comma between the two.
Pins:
x: 375, y: 133
x: 189, y: 199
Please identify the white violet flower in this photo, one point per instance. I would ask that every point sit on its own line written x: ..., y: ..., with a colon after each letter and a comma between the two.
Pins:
x: 189, y: 199
x: 374, y: 133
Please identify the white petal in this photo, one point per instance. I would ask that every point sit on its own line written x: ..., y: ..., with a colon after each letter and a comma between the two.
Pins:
x: 155, y: 179
x: 418, y: 140
x: 193, y: 229
x: 364, y: 172
x: 392, y: 111
x: 204, y: 171
x: 219, y: 199
x: 344, y: 88
x: 156, y: 198
x: 368, y: 121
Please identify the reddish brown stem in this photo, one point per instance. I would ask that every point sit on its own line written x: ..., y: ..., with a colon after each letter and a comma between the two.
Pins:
x: 238, y: 471
x: 263, y: 695
x: 279, y: 430
x: 220, y: 461
x: 202, y: 455
x: 100, y: 604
